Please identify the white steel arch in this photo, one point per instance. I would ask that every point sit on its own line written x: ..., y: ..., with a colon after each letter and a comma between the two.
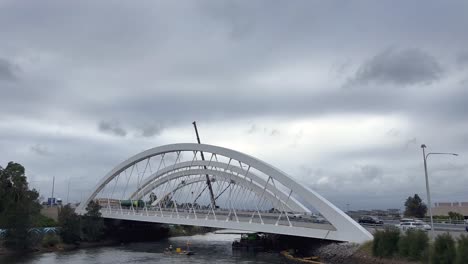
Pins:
x: 344, y: 228
x: 293, y: 206
x: 258, y: 182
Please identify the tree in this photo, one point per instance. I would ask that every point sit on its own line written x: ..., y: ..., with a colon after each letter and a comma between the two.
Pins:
x: 92, y: 222
x: 415, y: 207
x: 455, y: 216
x: 69, y: 223
x: 18, y: 206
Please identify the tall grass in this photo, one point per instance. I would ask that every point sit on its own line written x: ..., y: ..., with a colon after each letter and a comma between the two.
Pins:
x: 386, y: 242
x: 414, y: 245
x: 462, y: 250
x: 443, y: 251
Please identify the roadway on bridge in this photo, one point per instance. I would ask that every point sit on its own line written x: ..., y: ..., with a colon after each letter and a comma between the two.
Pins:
x: 221, y: 215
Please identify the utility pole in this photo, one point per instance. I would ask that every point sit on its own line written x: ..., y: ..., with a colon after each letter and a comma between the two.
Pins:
x: 68, y: 190
x: 208, y: 182
x: 53, y: 186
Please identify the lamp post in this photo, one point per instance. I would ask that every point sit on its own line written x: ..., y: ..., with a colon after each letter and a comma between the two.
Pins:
x: 425, y: 156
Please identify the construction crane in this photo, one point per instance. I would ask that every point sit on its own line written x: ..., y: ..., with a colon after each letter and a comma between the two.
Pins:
x: 208, y: 182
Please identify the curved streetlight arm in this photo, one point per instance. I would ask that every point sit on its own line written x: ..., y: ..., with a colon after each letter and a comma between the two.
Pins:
x: 440, y: 153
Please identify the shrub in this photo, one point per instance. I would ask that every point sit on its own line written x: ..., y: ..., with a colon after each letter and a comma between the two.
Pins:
x: 444, y: 250
x: 413, y: 245
x: 69, y: 223
x: 385, y: 242
x: 50, y: 240
x: 44, y: 221
x: 462, y: 250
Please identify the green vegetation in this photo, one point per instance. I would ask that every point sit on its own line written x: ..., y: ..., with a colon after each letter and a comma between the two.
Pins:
x: 455, y: 216
x: 92, y: 223
x: 462, y: 250
x: 44, y: 221
x: 18, y: 207
x: 414, y: 245
x: 183, y: 230
x: 444, y: 251
x: 69, y: 223
x: 385, y: 242
x: 20, y: 213
x: 414, y: 207
x: 50, y: 240
x: 390, y: 243
x: 74, y: 228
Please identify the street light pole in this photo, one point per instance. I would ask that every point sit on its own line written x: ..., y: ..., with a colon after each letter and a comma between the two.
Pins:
x: 428, y: 193
x: 427, y: 182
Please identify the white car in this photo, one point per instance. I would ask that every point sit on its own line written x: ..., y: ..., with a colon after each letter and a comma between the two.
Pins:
x: 426, y: 226
x: 294, y: 215
x: 405, y: 226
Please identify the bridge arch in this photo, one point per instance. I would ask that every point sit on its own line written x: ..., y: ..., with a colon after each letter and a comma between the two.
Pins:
x: 293, y: 205
x: 234, y: 171
x: 277, y: 182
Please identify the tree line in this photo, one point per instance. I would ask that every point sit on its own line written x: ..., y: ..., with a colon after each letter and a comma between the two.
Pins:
x: 20, y: 212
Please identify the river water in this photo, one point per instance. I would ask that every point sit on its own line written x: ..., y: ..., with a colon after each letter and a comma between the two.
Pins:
x: 209, y: 248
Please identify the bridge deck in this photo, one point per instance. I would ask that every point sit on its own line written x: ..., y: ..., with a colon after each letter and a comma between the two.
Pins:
x: 268, y: 223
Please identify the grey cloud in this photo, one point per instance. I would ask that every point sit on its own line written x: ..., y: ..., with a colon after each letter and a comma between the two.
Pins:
x: 112, y: 127
x: 274, y: 132
x: 40, y: 150
x: 297, y: 137
x: 411, y: 142
x: 7, y: 71
x: 205, y: 67
x: 252, y: 129
x: 393, y: 132
x: 399, y: 67
x: 462, y: 59
x: 151, y: 130
x: 370, y: 172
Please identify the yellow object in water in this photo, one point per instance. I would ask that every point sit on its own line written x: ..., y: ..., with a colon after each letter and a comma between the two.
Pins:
x: 178, y: 250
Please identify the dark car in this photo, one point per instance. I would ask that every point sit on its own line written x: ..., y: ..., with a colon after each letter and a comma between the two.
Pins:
x: 370, y: 220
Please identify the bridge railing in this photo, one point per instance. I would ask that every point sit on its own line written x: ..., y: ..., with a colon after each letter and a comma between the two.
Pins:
x: 251, y: 216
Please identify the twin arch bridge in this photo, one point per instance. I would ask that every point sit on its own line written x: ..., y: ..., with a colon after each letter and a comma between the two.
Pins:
x: 175, y: 184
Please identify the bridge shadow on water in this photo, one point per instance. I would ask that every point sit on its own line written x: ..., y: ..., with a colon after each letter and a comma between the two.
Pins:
x: 134, y: 231
x: 137, y: 231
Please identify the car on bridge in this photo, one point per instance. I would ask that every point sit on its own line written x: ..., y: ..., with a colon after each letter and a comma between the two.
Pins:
x: 294, y: 215
x: 370, y: 220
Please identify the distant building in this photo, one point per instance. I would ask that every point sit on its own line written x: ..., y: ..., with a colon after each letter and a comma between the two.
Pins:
x: 444, y: 208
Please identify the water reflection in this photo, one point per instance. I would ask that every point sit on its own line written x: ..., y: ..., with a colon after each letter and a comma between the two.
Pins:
x: 209, y: 248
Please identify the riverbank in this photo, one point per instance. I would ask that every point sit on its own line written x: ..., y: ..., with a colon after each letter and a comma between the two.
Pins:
x: 59, y: 247
x: 353, y: 254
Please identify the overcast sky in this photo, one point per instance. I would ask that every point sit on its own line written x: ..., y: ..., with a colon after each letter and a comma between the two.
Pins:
x: 338, y: 94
